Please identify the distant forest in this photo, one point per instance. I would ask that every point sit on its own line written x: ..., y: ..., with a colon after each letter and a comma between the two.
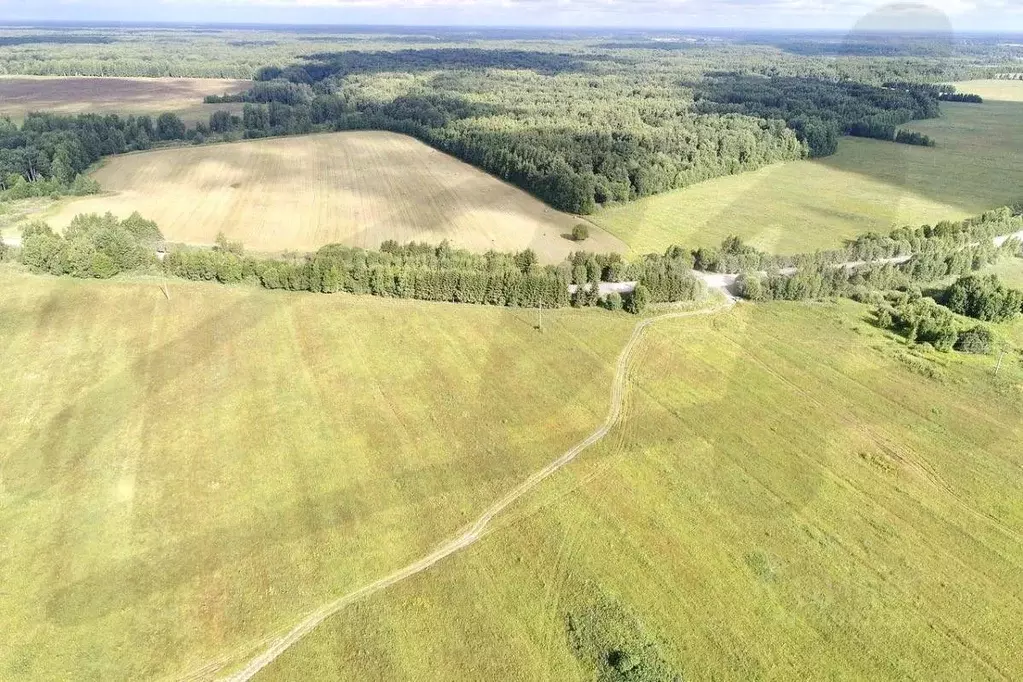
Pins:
x: 580, y: 132
x: 578, y: 122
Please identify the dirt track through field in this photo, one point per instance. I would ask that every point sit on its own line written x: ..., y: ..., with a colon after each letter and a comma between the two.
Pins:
x: 479, y: 527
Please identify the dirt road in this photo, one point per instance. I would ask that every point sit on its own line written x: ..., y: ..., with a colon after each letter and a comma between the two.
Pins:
x: 479, y: 528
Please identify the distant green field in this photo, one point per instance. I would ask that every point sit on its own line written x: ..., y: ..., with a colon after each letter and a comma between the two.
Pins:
x: 180, y: 478
x: 1010, y: 270
x: 867, y: 185
x: 790, y: 497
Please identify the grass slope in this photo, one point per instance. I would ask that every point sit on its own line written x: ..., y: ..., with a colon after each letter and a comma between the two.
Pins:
x: 359, y: 188
x: 867, y: 185
x: 182, y: 477
x: 789, y: 498
x: 20, y: 95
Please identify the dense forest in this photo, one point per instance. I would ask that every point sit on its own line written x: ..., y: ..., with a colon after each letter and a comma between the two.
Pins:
x: 818, y: 110
x: 234, y: 52
x: 573, y: 130
x: 54, y: 149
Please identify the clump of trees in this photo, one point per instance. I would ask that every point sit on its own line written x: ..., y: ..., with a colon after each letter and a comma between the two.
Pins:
x: 91, y: 246
x: 922, y: 320
x: 961, y: 97
x: 919, y: 319
x: 984, y: 298
x: 914, y: 138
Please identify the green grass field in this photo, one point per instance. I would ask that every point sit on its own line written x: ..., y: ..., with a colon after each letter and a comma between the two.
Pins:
x: 867, y: 185
x: 1010, y: 270
x: 181, y: 477
x: 789, y: 494
x: 789, y: 498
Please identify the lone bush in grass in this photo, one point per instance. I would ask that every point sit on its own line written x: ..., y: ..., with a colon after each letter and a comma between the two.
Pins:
x: 581, y: 232
x: 977, y: 340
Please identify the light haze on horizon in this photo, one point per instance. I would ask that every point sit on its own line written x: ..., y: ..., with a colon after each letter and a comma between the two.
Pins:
x: 933, y: 15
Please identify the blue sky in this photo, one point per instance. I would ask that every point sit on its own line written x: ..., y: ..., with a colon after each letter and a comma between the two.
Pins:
x: 963, y: 15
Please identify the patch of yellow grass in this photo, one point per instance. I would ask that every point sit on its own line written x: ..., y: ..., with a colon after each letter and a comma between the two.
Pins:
x: 357, y: 188
x: 994, y: 90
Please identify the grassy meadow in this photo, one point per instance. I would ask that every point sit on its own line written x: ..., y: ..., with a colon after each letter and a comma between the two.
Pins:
x: 20, y: 95
x: 867, y: 185
x: 182, y: 477
x: 793, y: 495
x: 357, y: 188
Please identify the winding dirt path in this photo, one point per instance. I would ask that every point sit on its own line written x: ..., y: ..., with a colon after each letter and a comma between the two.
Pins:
x: 479, y: 527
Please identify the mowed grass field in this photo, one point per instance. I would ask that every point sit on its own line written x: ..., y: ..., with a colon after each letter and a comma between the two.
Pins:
x: 20, y: 95
x: 791, y: 493
x: 356, y: 188
x: 182, y: 477
x: 787, y: 499
x: 867, y: 185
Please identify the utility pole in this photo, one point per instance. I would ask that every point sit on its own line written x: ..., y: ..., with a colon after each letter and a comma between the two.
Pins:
x: 999, y: 365
x: 539, y: 325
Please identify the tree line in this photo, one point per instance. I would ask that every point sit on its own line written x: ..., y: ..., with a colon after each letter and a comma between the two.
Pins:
x: 102, y: 246
x: 60, y: 148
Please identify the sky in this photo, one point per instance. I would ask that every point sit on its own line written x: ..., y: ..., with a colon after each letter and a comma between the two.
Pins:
x: 961, y: 15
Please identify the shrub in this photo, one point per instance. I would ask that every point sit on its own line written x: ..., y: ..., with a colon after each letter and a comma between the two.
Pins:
x: 613, y: 301
x: 921, y: 321
x: 977, y: 340
x: 581, y: 232
x: 984, y: 298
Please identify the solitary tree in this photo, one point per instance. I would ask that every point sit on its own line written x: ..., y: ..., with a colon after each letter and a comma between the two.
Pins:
x: 581, y: 232
x: 638, y: 301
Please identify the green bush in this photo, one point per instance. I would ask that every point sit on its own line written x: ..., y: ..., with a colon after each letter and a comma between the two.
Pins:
x: 984, y: 298
x: 920, y: 320
x: 613, y: 301
x: 581, y: 232
x: 977, y: 340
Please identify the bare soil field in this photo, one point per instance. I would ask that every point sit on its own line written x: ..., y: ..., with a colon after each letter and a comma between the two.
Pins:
x: 20, y: 95
x: 356, y: 188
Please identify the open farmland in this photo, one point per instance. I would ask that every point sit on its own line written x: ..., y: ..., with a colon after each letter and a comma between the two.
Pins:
x: 868, y: 185
x: 992, y: 89
x: 356, y: 188
x: 20, y: 95
x: 789, y: 498
x: 182, y: 477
